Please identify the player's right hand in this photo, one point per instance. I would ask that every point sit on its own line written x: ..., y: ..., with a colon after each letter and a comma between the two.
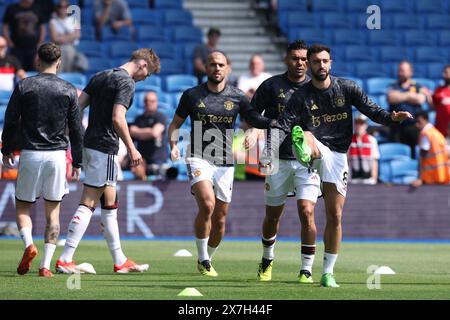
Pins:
x: 135, y: 157
x: 76, y: 174
x: 175, y: 154
x: 8, y: 160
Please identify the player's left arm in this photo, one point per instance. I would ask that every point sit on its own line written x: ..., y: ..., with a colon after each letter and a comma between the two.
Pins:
x: 11, y: 124
x: 75, y: 135
x: 83, y: 100
x: 252, y: 116
x: 366, y: 106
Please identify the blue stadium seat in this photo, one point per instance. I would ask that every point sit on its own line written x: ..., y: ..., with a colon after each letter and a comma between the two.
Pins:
x: 168, y: 4
x: 87, y: 32
x: 302, y: 19
x: 313, y: 36
x: 178, y: 18
x: 180, y: 82
x: 357, y: 5
x: 98, y: 64
x: 137, y: 3
x: 429, y: 6
x: 91, y: 48
x: 429, y: 54
x: 397, y: 6
x: 121, y: 49
x: 176, y: 96
x: 341, y: 69
x: 435, y: 70
x: 150, y: 33
x: 172, y: 66
x: 164, y: 50
x: 4, y: 96
x: 291, y: 5
x: 146, y: 17
x: 151, y: 82
x: 382, y: 100
x: 77, y: 79
x: 393, y: 53
x: 358, y: 81
x: 360, y: 21
x: 419, y: 38
x: 187, y: 34
x: 371, y: 70
x: 360, y: 53
x: 332, y: 20
x: 123, y: 33
x: 444, y: 38
x: 348, y: 37
x: 394, y: 151
x: 189, y: 50
x: 166, y: 98
x: 145, y: 87
x: 383, y: 37
x: 402, y: 168
x: 438, y: 22
x: 406, y: 21
x: 87, y: 16
x: 326, y: 6
x: 429, y: 83
x: 379, y: 86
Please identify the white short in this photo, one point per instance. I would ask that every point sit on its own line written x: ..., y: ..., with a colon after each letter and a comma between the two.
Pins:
x: 220, y: 177
x: 334, y: 167
x: 42, y: 173
x: 290, y: 178
x: 100, y: 168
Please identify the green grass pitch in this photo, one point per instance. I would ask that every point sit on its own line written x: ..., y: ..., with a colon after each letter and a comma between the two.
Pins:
x: 422, y: 272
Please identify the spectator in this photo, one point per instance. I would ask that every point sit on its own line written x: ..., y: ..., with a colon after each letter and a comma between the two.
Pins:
x: 24, y: 31
x: 64, y: 34
x: 250, y: 81
x: 434, y: 165
x: 9, y: 67
x: 114, y: 13
x: 441, y: 101
x: 202, y: 51
x: 363, y: 154
x: 45, y: 9
x: 149, y: 131
x: 406, y: 95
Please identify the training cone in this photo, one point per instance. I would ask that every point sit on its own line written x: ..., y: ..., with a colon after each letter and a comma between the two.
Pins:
x: 86, y: 268
x: 182, y: 253
x: 384, y: 270
x: 190, y: 292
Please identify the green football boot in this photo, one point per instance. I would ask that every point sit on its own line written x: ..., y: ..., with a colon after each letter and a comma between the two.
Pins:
x: 328, y: 280
x: 206, y: 269
x: 300, y: 146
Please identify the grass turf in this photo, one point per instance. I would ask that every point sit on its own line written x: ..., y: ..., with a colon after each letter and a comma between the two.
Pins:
x: 422, y: 272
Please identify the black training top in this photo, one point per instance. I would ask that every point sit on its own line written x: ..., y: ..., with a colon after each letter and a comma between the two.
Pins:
x: 271, y: 98
x: 39, y: 109
x: 213, y: 117
x: 328, y: 113
x: 105, y: 89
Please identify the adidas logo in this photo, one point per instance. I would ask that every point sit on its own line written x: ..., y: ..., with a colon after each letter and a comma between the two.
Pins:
x: 314, y: 107
x: 201, y: 105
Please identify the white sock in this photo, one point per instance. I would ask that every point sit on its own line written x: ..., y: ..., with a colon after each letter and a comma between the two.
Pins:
x: 27, y: 238
x: 307, y: 258
x: 77, y: 228
x: 49, y: 250
x: 211, y: 251
x: 268, y: 250
x: 112, y: 237
x: 202, y: 249
x: 329, y: 259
